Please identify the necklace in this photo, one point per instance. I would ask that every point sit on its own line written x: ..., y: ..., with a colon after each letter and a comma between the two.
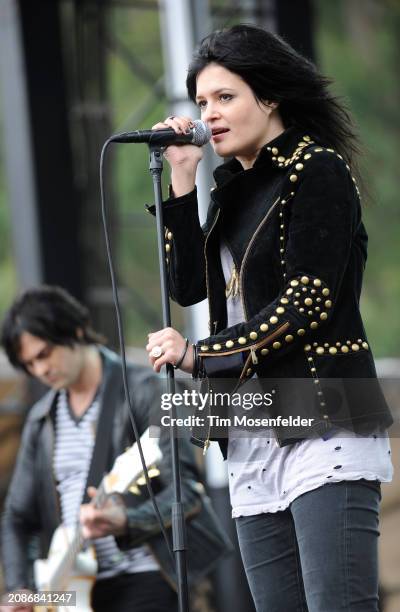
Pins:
x: 232, y: 286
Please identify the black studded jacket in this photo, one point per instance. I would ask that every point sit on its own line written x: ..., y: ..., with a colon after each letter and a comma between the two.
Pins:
x: 293, y: 226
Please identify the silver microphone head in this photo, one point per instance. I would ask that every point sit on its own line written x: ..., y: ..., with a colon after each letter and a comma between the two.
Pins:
x: 201, y: 133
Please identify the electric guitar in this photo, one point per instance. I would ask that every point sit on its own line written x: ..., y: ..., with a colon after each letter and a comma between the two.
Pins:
x: 67, y: 567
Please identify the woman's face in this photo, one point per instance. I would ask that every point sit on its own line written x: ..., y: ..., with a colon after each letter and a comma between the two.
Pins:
x: 240, y: 125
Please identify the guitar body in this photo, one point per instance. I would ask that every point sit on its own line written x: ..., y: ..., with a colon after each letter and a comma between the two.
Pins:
x: 79, y: 572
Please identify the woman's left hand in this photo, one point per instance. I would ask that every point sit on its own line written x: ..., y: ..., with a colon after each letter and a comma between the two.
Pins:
x: 168, y: 346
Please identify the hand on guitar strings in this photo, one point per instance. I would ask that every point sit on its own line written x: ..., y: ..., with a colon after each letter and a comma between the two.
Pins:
x: 110, y: 519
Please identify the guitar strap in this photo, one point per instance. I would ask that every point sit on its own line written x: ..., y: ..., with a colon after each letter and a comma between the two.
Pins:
x: 109, y: 396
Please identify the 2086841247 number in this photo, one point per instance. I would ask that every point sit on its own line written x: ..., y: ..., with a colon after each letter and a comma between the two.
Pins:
x: 42, y: 598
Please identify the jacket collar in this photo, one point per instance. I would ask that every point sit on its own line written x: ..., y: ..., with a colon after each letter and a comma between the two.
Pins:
x: 279, y: 153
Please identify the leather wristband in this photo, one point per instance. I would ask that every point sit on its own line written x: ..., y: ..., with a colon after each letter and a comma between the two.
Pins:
x: 198, y: 364
x: 195, y: 371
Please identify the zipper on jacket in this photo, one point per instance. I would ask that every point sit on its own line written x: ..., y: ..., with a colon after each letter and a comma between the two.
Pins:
x: 205, y: 257
x: 278, y: 332
x: 241, y: 272
x: 207, y: 440
x: 254, y: 357
x: 246, y: 253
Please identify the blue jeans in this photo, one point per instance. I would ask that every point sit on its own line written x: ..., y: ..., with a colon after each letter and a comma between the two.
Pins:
x: 318, y: 555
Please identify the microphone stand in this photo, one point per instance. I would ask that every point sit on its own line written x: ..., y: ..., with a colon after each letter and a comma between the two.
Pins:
x: 178, y: 520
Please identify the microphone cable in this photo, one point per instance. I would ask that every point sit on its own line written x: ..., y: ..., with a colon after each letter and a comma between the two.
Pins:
x: 122, y: 348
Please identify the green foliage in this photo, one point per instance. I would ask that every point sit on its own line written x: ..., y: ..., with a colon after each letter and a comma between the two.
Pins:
x: 360, y: 51
x: 8, y: 279
x: 136, y: 239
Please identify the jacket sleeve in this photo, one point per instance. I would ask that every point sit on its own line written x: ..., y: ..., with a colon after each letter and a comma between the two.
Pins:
x: 318, y: 217
x: 20, y: 518
x: 184, y: 249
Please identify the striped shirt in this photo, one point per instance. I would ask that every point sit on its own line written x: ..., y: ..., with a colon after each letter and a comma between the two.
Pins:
x: 73, y: 450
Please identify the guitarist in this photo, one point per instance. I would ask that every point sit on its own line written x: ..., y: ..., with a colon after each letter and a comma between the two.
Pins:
x: 71, y: 438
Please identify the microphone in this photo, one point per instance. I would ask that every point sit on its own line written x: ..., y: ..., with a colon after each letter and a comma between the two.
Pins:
x: 199, y: 135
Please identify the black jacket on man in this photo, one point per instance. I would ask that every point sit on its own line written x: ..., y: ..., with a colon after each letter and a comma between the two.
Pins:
x: 293, y: 226
x: 32, y: 505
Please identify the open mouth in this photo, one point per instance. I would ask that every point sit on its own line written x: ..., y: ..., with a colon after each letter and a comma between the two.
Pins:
x: 219, y: 130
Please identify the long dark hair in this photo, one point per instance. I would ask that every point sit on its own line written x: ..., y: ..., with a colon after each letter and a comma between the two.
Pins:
x: 276, y: 72
x: 49, y: 313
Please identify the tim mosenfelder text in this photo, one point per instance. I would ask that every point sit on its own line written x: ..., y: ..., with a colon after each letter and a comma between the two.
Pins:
x: 246, y: 401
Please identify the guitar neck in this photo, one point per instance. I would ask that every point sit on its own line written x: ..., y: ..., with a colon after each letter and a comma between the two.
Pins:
x: 67, y: 561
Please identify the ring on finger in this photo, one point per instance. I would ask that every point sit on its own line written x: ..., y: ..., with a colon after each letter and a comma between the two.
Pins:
x: 156, y: 351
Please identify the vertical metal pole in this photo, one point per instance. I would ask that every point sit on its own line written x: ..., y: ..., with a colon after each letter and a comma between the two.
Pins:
x: 18, y: 148
x: 183, y: 24
x: 177, y: 519
x: 197, y: 316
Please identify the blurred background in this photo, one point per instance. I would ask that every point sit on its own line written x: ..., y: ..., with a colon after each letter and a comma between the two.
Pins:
x: 72, y: 72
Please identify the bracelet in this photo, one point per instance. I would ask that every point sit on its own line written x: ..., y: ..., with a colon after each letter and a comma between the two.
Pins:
x: 179, y: 362
x: 195, y: 371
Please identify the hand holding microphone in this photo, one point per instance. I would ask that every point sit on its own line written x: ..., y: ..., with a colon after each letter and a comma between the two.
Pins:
x: 184, y: 160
